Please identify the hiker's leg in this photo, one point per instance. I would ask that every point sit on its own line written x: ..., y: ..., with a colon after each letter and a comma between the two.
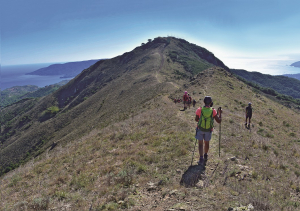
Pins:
x: 200, y: 147
x: 206, y: 147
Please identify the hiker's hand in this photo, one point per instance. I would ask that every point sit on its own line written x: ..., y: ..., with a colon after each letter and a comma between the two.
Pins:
x: 220, y: 110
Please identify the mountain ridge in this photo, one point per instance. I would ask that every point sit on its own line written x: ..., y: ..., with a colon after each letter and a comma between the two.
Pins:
x: 67, y: 70
x: 297, y: 76
x: 112, y: 138
x: 282, y: 84
x: 151, y: 66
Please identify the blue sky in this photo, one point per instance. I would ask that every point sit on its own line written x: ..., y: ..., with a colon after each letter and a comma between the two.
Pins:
x: 242, y: 33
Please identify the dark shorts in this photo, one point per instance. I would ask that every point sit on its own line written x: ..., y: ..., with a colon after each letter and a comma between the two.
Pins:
x: 249, y: 116
x: 206, y: 136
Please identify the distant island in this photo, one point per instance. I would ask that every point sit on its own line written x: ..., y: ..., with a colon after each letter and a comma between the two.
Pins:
x: 296, y: 64
x: 297, y: 75
x: 67, y: 70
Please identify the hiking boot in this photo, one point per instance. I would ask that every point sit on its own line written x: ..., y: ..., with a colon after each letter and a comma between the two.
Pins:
x: 201, y: 161
x: 246, y: 123
x: 205, y: 157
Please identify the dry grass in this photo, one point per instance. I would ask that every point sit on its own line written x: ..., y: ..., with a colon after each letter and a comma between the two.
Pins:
x: 137, y: 162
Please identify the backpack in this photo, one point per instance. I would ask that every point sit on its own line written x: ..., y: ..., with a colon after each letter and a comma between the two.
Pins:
x: 185, y: 97
x: 206, y: 120
x: 249, y: 110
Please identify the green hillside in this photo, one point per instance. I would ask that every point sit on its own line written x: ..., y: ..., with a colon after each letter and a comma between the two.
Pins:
x: 16, y: 93
x: 113, y: 139
x: 281, y: 84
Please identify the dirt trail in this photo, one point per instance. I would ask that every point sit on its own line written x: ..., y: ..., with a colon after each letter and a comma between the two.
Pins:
x: 162, y: 48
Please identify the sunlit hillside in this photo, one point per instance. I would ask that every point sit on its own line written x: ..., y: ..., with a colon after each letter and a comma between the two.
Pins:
x: 118, y: 141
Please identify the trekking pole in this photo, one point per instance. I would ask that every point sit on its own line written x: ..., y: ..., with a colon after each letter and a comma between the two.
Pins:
x: 220, y: 133
x: 194, y: 149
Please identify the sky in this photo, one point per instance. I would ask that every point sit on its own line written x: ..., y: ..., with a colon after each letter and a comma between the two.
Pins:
x: 244, y: 34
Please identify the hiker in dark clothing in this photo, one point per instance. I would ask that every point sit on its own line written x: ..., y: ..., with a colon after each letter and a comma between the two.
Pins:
x: 189, y: 100
x: 194, y: 103
x: 248, y: 114
x: 205, y: 117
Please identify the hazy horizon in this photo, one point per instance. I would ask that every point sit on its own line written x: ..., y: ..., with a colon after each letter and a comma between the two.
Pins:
x: 59, y: 31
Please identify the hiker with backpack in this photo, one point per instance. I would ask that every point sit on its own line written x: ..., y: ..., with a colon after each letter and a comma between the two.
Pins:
x: 189, y: 100
x: 248, y: 114
x: 205, y: 117
x: 185, y: 100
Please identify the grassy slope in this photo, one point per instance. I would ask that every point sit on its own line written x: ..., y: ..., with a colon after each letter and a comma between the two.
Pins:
x: 113, y: 167
x: 109, y: 91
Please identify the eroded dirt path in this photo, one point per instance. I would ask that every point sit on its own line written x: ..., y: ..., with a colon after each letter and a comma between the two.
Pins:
x: 162, y: 61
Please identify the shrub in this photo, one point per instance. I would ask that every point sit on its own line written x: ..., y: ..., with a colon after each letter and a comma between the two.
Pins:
x: 285, y: 124
x: 254, y: 175
x: 40, y: 204
x: 53, y: 110
x: 61, y: 195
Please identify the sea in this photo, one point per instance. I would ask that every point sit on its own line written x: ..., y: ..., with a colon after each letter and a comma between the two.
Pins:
x: 265, y: 66
x: 14, y: 75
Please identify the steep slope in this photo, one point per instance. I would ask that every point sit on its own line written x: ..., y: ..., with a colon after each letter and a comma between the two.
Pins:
x: 109, y: 91
x: 136, y: 163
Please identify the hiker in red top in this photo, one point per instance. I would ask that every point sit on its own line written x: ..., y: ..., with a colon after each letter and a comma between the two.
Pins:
x: 185, y: 100
x: 205, y: 117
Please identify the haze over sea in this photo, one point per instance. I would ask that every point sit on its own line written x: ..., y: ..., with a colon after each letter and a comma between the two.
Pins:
x: 14, y: 75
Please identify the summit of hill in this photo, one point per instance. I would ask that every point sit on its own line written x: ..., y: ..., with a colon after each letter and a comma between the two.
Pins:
x: 113, y: 138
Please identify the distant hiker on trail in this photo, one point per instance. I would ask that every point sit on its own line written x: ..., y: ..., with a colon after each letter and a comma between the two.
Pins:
x: 205, y: 117
x: 189, y: 100
x: 185, y: 100
x: 175, y: 100
x: 194, y: 103
x: 248, y: 114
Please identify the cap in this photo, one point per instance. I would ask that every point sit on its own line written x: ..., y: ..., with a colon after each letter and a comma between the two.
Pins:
x: 207, y: 100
